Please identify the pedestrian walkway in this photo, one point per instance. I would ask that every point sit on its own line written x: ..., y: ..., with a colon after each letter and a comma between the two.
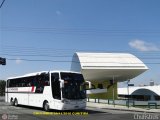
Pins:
x: 118, y: 107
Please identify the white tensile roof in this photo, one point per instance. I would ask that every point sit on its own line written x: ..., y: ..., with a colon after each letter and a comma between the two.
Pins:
x: 106, y: 66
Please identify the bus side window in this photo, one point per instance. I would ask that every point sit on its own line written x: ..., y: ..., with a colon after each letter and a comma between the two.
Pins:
x: 40, y: 85
x: 11, y: 83
x: 39, y: 80
x: 32, y: 81
x: 45, y: 79
x: 29, y: 80
x: 8, y: 81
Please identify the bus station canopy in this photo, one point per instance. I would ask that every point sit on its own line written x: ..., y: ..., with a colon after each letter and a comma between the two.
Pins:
x: 107, y: 66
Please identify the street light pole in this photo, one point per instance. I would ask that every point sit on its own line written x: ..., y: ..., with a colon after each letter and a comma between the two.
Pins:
x: 113, y: 93
x: 128, y: 91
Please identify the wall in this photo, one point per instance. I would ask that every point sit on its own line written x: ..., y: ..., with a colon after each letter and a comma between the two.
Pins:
x: 109, y: 92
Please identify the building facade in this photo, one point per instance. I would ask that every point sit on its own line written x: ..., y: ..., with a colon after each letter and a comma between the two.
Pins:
x: 142, y: 93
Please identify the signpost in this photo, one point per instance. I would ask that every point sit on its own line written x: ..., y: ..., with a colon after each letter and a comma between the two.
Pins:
x: 128, y: 90
x: 112, y: 83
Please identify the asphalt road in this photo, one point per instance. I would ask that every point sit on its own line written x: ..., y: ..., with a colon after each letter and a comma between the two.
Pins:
x: 32, y: 113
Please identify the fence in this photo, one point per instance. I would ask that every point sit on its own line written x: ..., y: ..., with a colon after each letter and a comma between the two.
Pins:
x: 134, y: 103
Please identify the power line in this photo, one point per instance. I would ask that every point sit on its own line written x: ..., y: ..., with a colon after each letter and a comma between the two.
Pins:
x: 26, y: 52
x: 83, y: 31
x: 69, y: 56
x: 37, y: 55
x: 37, y: 60
x: 64, y: 53
x: 64, y: 61
x: 68, y: 52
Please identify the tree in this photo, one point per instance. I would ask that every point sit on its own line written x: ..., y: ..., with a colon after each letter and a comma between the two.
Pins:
x: 2, y: 87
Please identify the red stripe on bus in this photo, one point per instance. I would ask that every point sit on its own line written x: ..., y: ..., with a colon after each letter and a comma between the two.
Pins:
x: 32, y: 89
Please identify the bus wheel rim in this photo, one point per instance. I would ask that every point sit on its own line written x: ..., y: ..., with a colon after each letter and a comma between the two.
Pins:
x: 16, y: 103
x: 46, y: 106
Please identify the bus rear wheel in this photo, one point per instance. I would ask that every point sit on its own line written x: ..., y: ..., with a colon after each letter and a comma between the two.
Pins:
x: 16, y: 102
x: 46, y: 106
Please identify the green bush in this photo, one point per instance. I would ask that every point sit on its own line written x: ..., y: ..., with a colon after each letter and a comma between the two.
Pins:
x: 2, y: 87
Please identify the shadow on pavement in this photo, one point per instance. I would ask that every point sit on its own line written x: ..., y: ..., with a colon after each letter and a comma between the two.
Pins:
x: 53, y: 110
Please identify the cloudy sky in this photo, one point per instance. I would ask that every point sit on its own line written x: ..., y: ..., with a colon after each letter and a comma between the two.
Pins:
x: 37, y: 35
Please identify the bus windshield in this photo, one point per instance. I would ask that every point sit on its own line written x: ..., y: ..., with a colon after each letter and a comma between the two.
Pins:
x: 74, y: 87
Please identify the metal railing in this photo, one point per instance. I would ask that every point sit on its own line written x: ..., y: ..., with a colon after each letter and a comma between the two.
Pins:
x: 133, y: 103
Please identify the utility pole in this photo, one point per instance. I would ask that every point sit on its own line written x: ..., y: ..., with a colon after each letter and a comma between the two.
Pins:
x: 113, y: 93
x: 128, y: 91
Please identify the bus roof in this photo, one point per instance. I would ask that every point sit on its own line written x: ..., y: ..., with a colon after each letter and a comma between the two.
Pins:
x: 38, y: 73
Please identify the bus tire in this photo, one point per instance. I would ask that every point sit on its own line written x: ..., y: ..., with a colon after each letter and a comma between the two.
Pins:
x: 46, y: 106
x: 12, y: 102
x: 16, y: 102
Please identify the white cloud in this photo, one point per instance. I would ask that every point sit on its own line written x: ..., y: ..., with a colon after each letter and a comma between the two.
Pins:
x: 18, y: 61
x: 143, y: 46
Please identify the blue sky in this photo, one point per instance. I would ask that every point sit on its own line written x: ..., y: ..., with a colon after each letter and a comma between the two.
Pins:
x: 44, y: 29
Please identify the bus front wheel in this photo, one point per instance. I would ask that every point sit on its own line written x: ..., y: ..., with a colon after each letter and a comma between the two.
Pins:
x: 12, y: 102
x: 46, y: 106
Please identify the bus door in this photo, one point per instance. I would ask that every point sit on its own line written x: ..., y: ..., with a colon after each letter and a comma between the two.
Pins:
x: 55, y: 85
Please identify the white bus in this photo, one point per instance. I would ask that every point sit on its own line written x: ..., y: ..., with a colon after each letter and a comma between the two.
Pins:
x: 61, y: 90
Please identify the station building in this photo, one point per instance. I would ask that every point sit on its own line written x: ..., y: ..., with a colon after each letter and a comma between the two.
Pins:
x: 141, y: 93
x: 102, y: 71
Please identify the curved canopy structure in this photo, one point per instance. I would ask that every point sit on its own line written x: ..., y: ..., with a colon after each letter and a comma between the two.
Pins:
x: 107, y: 66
